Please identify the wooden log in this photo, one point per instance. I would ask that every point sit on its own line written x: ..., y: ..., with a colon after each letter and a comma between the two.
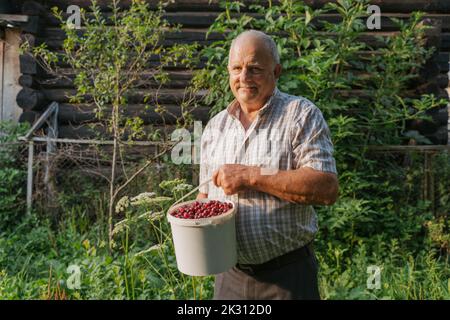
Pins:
x: 33, y: 8
x: 431, y: 87
x: 443, y: 94
x: 443, y: 81
x: 177, y: 79
x: 191, y: 36
x: 430, y: 70
x: 67, y: 83
x: 439, y: 118
x: 33, y: 25
x: 54, y: 37
x: 445, y: 44
x: 27, y: 81
x: 105, y: 5
x: 186, y: 34
x: 444, y: 62
x: 82, y: 132
x: 396, y: 5
x: 169, y: 96
x: 214, y: 5
x: 29, y: 65
x: 98, y: 131
x: 440, y: 136
x: 28, y: 116
x: 433, y: 34
x: 152, y: 62
x: 29, y: 99
x: 77, y: 114
x: 28, y: 38
x: 187, y: 19
x: 205, y: 19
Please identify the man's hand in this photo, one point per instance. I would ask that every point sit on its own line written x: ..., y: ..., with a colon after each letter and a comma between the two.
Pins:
x: 304, y: 185
x: 232, y: 178
x: 202, y: 196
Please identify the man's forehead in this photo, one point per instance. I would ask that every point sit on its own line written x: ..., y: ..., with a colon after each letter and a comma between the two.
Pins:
x: 251, y: 55
x: 250, y: 60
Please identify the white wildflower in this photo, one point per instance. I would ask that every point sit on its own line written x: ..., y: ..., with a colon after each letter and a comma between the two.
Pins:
x: 155, y: 247
x: 182, y: 187
x: 122, y: 204
x: 150, y: 201
x: 151, y: 216
x: 120, y: 226
x: 143, y: 195
x: 142, y: 198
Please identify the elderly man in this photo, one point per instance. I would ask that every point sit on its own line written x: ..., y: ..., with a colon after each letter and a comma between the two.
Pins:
x: 271, y: 153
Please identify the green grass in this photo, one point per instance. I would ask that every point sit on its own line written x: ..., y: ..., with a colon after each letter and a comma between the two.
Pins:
x: 34, y: 259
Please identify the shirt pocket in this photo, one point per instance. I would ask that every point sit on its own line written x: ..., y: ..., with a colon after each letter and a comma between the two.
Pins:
x: 269, y: 151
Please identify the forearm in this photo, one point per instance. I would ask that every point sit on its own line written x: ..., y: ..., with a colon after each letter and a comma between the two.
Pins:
x: 304, y: 185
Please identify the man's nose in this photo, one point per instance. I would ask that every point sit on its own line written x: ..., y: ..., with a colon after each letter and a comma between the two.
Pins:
x: 245, y: 75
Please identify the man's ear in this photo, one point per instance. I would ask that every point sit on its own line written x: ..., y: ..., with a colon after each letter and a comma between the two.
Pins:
x: 277, y: 71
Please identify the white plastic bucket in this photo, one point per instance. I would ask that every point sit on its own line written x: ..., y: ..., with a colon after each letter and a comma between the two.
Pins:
x: 204, y: 246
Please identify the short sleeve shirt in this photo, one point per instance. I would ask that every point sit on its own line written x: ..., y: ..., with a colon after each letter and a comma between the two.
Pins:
x: 288, y: 133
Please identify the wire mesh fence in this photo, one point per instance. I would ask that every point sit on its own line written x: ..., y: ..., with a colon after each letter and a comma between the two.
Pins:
x: 79, y: 172
x: 13, y: 179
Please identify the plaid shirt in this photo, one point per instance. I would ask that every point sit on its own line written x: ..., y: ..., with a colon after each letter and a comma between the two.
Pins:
x: 289, y: 132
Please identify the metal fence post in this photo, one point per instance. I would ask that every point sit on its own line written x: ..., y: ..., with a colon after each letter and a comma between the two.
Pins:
x: 30, y: 175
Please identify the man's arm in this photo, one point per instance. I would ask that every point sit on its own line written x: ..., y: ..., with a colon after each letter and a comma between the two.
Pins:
x: 304, y: 185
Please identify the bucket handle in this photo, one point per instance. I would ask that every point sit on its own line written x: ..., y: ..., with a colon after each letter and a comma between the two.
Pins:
x: 192, y: 191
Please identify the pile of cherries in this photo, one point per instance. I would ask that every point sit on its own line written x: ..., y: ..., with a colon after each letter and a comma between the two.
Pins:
x: 198, y: 210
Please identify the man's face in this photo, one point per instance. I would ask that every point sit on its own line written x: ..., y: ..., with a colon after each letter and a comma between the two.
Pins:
x: 252, y: 71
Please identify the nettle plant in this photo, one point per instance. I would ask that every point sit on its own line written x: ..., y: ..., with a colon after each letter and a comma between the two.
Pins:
x: 112, y: 58
x: 363, y: 92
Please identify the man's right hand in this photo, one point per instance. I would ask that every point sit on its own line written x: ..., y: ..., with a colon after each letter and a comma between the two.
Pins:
x: 202, y: 196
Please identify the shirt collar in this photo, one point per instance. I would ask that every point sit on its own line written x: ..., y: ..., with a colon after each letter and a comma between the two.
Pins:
x: 234, y: 108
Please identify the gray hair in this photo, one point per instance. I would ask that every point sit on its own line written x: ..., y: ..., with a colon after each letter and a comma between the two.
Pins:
x: 268, y: 42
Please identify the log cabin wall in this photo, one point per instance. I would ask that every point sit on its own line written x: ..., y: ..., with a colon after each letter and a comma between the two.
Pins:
x: 10, y: 30
x: 9, y: 75
x: 196, y: 16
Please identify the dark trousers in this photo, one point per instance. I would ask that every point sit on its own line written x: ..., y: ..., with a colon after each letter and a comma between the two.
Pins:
x: 294, y: 280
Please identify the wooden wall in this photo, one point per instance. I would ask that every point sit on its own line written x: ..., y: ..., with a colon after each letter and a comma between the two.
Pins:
x: 196, y: 16
x: 9, y: 75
